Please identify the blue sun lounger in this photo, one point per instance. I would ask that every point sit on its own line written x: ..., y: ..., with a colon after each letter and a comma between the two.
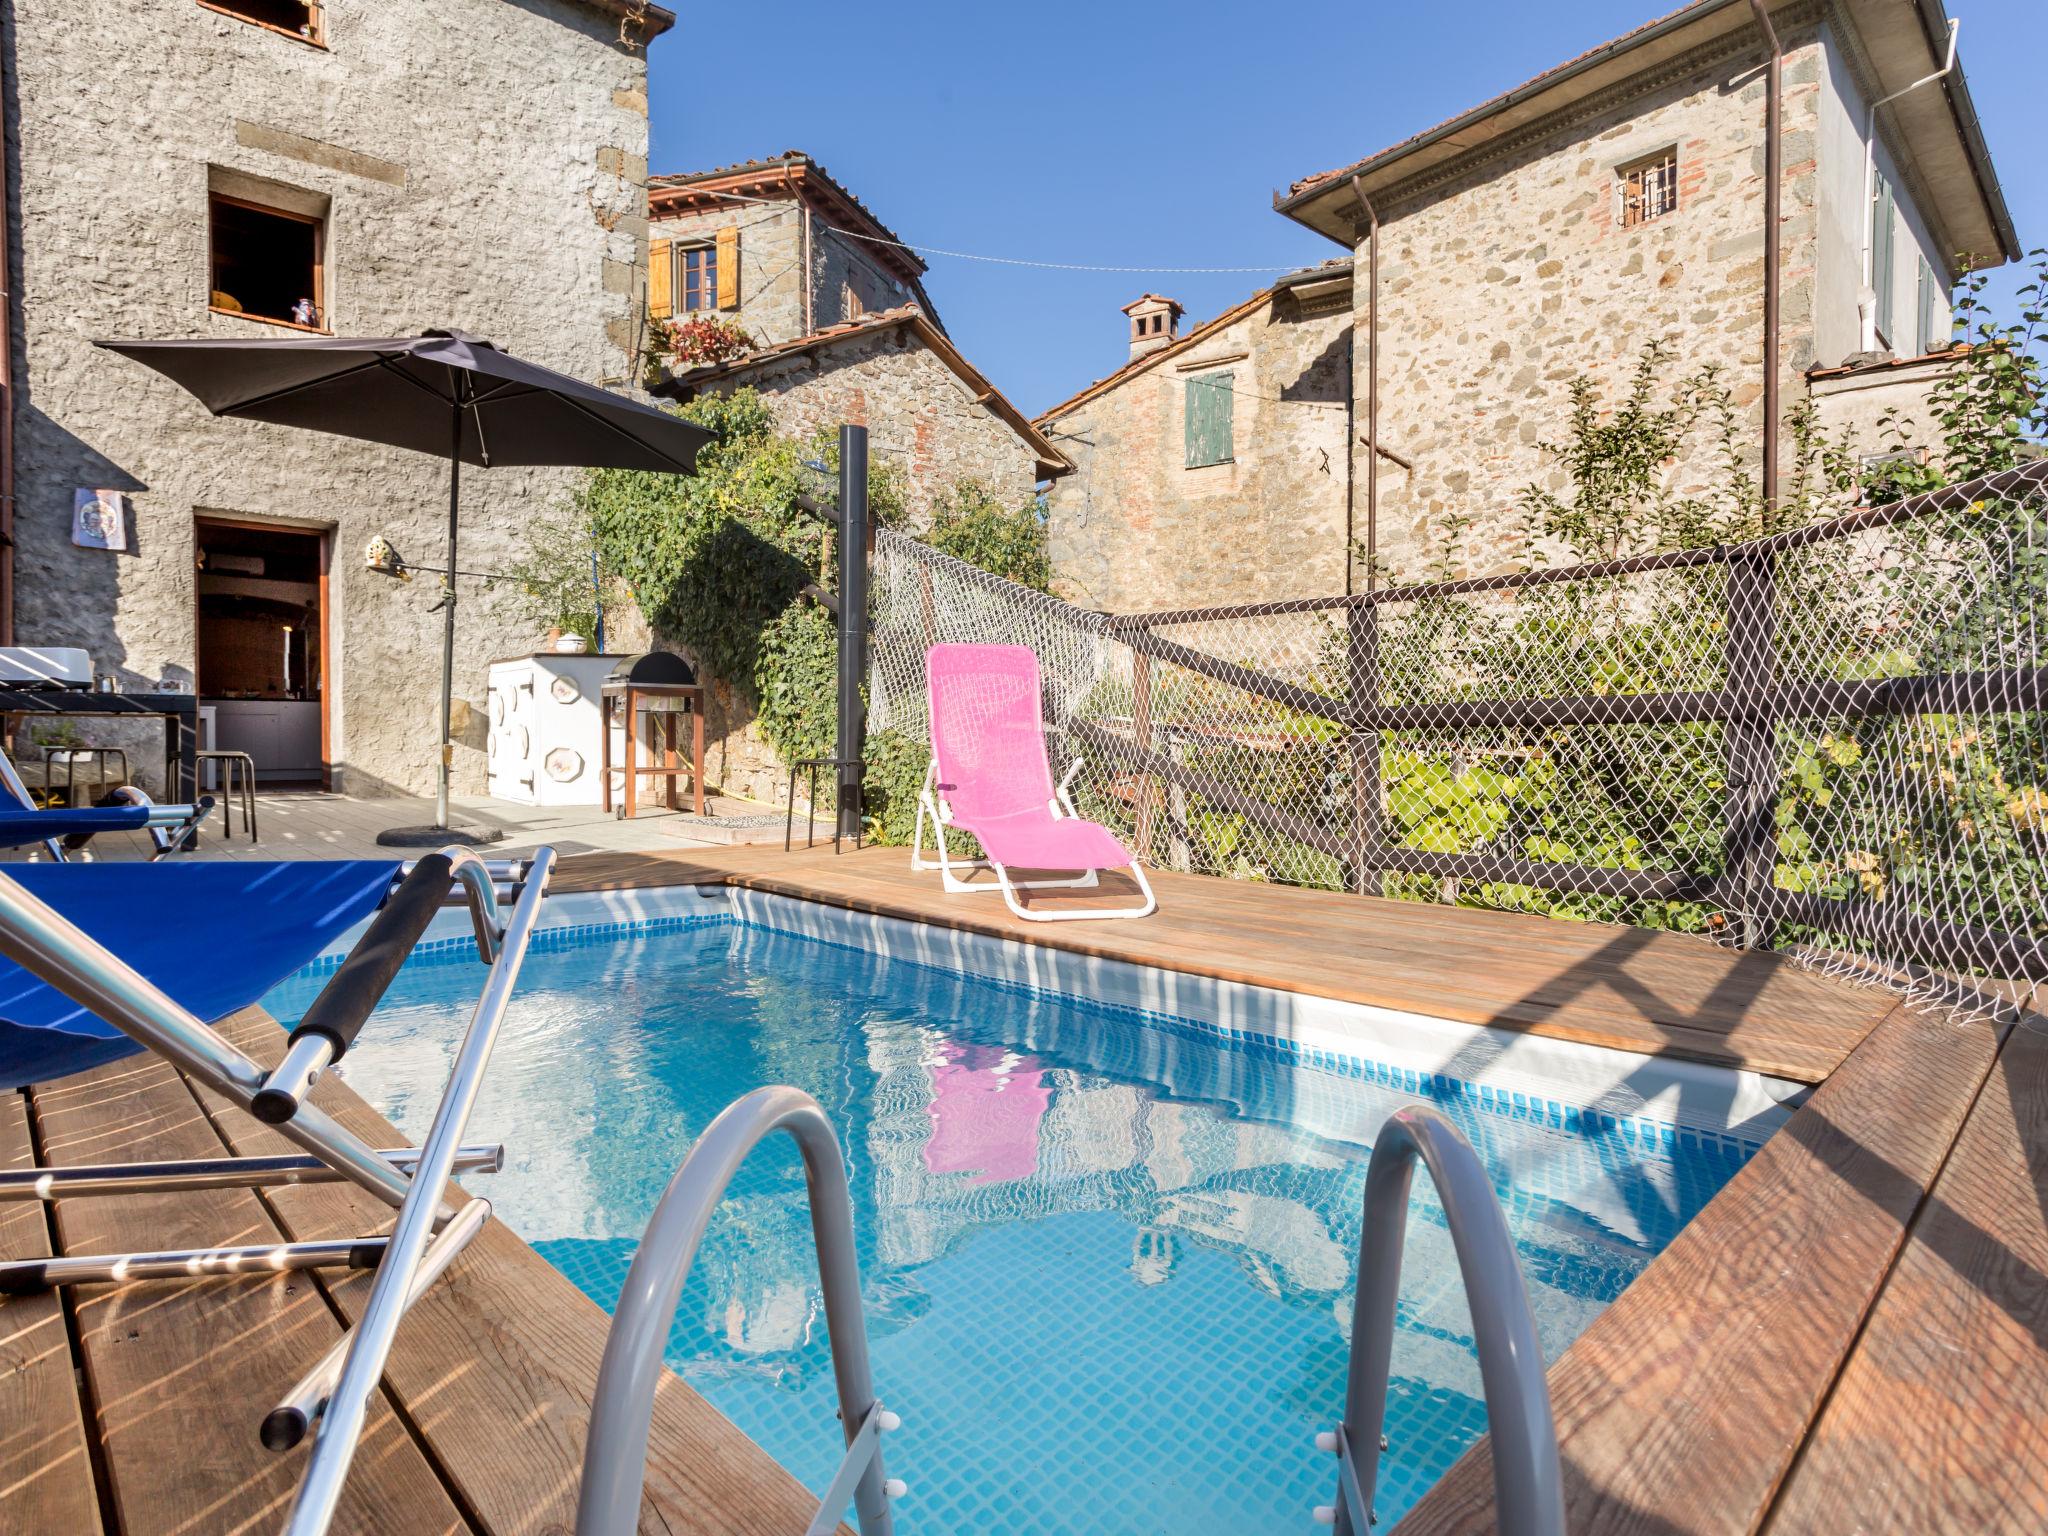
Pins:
x: 102, y: 961
x: 64, y: 831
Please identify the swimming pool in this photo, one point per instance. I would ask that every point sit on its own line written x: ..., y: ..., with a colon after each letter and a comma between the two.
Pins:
x: 1107, y: 1252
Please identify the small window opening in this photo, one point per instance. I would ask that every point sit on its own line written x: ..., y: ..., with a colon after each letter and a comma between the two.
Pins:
x: 298, y: 18
x: 266, y: 263
x: 1646, y: 189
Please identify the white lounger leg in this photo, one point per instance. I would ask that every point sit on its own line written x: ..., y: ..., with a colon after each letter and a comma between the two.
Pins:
x: 957, y: 883
x: 1071, y: 914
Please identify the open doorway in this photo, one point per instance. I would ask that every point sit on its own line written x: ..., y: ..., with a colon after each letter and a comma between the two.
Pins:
x: 263, y: 654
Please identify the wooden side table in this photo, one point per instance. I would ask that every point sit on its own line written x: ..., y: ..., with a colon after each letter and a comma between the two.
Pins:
x: 630, y: 700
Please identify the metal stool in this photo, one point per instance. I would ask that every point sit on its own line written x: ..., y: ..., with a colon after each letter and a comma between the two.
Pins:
x: 71, y: 757
x: 809, y: 766
x: 234, y: 767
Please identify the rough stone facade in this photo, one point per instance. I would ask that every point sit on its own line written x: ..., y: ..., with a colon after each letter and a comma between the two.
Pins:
x: 1499, y: 288
x: 1507, y: 271
x: 1506, y: 275
x: 798, y: 273
x: 478, y: 164
x: 922, y: 417
x: 1135, y: 527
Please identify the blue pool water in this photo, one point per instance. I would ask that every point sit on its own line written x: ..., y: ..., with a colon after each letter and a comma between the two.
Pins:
x: 1107, y: 1261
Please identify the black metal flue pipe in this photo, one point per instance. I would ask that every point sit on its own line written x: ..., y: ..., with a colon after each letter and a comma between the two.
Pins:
x: 853, y: 620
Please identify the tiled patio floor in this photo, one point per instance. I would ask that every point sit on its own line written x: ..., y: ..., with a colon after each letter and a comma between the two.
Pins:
x: 311, y: 825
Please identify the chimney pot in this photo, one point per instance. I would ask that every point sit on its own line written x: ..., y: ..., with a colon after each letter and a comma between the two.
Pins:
x: 1155, y: 323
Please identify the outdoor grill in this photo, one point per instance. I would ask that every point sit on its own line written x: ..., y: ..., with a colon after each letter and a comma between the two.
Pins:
x: 649, y: 672
x: 660, y: 687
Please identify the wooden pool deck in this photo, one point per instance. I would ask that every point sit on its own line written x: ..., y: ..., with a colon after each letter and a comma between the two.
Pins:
x: 1852, y: 1336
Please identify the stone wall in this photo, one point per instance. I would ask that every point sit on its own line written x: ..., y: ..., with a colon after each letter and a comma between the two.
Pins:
x: 1853, y: 404
x: 1133, y: 528
x: 1502, y: 285
x: 921, y: 417
x: 481, y: 165
x: 845, y: 281
x: 771, y: 280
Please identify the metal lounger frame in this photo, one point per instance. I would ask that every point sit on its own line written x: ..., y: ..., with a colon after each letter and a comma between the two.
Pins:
x: 170, y: 827
x: 333, y: 1397
x: 931, y: 803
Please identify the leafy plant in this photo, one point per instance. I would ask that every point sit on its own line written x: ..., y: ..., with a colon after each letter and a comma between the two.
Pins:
x: 701, y: 340
x: 727, y: 563
x: 971, y: 524
x: 1990, y: 407
x: 557, y: 583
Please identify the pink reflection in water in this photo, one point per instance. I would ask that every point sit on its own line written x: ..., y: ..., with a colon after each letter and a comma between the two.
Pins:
x: 985, y: 1109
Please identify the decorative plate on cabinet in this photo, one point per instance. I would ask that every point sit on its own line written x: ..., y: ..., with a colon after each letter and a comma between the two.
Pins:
x: 563, y: 764
x: 566, y: 691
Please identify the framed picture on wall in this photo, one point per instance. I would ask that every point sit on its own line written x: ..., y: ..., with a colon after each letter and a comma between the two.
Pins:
x: 99, y: 519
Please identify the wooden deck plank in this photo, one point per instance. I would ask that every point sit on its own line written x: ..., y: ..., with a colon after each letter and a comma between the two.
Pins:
x: 181, y: 1372
x: 1940, y: 1419
x: 497, y: 1363
x: 46, y: 1481
x: 1621, y: 988
x: 1684, y: 1404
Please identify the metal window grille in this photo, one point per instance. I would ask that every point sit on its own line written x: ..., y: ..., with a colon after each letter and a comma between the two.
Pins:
x: 1647, y: 189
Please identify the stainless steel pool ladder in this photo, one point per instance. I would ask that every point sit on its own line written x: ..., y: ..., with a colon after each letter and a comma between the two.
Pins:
x: 1527, y: 1484
x: 615, y: 1456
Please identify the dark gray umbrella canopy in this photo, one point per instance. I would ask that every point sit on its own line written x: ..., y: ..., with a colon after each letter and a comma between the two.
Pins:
x: 441, y: 392
x: 400, y: 390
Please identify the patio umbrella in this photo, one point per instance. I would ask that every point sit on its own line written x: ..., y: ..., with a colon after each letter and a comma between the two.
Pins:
x: 443, y: 392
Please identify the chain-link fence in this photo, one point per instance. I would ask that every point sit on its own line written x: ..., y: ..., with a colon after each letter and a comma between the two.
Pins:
x: 1834, y: 738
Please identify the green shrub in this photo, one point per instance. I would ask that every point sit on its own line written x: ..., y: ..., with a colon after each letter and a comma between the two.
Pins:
x: 719, y: 562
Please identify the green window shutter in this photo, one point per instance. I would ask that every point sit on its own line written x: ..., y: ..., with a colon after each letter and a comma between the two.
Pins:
x: 1208, y: 412
x: 1883, y: 231
x: 1930, y: 306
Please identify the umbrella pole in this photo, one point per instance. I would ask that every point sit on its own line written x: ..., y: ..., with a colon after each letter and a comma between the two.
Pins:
x: 448, y: 626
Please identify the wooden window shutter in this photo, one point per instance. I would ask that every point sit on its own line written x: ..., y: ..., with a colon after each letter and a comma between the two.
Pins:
x: 661, y: 279
x: 1883, y: 237
x: 728, y: 269
x: 1208, y: 427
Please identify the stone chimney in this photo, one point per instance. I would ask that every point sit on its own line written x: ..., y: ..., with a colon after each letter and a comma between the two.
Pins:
x: 1155, y: 323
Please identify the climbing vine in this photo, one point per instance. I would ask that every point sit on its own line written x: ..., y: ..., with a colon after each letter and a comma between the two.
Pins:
x: 728, y: 564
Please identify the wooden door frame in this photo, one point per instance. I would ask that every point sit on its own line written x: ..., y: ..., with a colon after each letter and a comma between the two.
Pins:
x: 325, y: 534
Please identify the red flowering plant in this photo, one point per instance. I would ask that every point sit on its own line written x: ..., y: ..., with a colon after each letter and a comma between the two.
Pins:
x: 705, y: 339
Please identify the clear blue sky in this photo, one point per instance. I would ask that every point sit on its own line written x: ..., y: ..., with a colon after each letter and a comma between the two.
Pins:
x: 1152, y: 135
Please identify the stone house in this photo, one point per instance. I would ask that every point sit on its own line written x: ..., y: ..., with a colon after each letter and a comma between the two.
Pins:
x: 778, y: 247
x: 841, y: 327
x: 841, y: 330
x: 239, y: 168
x: 1211, y: 467
x: 1556, y: 230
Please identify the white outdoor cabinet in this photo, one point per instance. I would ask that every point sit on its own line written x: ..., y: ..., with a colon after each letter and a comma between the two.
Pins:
x: 543, y: 743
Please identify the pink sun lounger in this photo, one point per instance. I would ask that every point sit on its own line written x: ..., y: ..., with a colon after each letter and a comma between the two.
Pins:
x: 990, y: 776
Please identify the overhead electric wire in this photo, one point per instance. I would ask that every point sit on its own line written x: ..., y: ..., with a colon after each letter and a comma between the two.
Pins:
x: 1018, y: 261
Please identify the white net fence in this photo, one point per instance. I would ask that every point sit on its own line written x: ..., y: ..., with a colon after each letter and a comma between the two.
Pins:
x: 1834, y: 739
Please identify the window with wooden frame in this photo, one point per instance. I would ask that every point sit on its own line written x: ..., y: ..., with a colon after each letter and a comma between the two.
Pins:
x: 1211, y: 399
x: 302, y: 19
x: 691, y: 277
x: 1646, y: 189
x: 266, y: 263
